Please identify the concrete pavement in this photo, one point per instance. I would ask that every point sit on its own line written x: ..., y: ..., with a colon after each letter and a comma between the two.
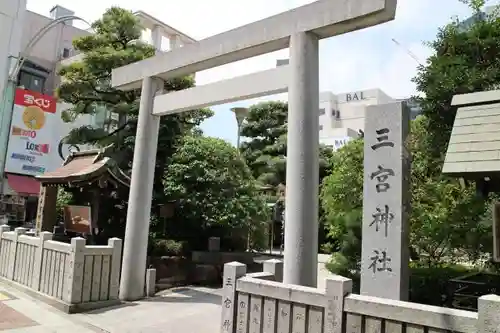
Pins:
x: 190, y: 309
x: 185, y: 309
x: 23, y: 314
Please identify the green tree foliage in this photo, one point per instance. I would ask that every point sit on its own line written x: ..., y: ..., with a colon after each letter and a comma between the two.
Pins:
x: 64, y: 198
x: 265, y: 149
x: 215, y: 192
x: 265, y: 129
x: 86, y: 85
x: 341, y: 199
x: 446, y: 217
x: 464, y: 61
x: 446, y: 220
x: 475, y: 5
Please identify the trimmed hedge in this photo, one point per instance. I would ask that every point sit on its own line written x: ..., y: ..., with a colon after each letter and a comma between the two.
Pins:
x: 428, y: 285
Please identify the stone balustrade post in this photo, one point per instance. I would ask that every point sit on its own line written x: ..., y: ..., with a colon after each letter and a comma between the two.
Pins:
x: 488, y: 309
x: 74, y: 275
x: 116, y: 262
x: 3, y: 255
x: 337, y: 287
x: 232, y: 272
x: 37, y: 269
x: 3, y: 228
x: 13, y: 252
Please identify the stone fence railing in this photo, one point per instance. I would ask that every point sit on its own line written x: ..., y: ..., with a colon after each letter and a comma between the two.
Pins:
x: 73, y: 277
x: 260, y: 303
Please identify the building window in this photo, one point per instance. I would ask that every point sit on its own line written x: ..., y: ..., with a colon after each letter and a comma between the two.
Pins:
x: 31, y: 82
x: 65, y: 53
x: 282, y: 62
x: 321, y: 112
x: 320, y: 127
x: 335, y: 114
x: 100, y: 114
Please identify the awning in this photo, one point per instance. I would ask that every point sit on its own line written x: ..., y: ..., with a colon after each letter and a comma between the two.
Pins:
x: 23, y: 185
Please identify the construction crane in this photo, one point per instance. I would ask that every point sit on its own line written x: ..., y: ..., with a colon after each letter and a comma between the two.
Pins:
x: 411, y: 54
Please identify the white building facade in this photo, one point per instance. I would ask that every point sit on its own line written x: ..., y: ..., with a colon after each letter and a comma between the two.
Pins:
x: 31, y: 125
x: 342, y: 116
x: 12, y: 13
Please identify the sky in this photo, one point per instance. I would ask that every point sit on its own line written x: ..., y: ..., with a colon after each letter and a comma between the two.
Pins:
x: 355, y: 61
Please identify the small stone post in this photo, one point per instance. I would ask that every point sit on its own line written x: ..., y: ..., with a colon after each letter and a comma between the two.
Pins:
x: 275, y: 267
x: 3, y: 228
x: 150, y: 282
x: 488, y: 308
x: 214, y: 244
x: 337, y: 287
x: 37, y: 272
x: 74, y: 276
x: 232, y: 271
x: 3, y: 256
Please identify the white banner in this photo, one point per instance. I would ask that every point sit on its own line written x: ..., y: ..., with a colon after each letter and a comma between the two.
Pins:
x: 35, y: 135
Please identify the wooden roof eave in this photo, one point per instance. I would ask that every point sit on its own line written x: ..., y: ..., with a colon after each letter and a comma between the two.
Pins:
x: 108, y: 166
x: 73, y: 178
x: 113, y: 171
x: 473, y: 176
x: 119, y: 176
x: 474, y: 148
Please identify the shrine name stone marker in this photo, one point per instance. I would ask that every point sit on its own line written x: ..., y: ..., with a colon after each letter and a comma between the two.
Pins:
x: 385, y: 251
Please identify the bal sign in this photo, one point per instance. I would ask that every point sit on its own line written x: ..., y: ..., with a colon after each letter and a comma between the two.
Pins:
x: 31, y: 132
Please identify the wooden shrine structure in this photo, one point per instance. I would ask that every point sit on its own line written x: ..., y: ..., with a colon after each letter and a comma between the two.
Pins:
x: 91, y: 170
x: 473, y: 149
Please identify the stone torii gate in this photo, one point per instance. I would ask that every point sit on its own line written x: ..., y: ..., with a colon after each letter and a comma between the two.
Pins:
x: 299, y: 29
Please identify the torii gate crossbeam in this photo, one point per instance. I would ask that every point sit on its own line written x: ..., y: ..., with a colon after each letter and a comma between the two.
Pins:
x: 300, y: 29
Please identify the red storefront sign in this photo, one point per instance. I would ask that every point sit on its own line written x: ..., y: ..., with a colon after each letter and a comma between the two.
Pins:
x: 32, y: 98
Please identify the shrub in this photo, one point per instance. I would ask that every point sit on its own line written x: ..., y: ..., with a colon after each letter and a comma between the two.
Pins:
x: 430, y: 285
x: 167, y: 247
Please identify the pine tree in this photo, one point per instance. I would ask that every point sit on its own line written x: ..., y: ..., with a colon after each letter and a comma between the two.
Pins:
x: 86, y: 85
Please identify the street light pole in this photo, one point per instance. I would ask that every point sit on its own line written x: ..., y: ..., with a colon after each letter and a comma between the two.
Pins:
x: 240, y: 114
x: 36, y: 38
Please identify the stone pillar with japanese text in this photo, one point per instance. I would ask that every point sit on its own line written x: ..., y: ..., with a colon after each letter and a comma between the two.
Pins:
x: 386, y: 200
x: 46, y: 216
